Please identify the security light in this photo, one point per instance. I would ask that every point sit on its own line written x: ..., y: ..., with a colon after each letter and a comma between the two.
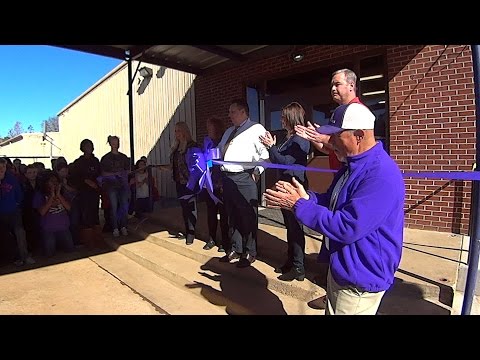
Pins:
x: 145, y: 72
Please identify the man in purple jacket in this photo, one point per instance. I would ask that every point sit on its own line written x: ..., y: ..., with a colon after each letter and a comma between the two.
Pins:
x: 361, y: 214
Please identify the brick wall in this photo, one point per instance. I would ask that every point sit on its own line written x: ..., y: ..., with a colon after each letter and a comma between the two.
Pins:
x: 213, y: 93
x: 432, y: 117
x: 432, y: 128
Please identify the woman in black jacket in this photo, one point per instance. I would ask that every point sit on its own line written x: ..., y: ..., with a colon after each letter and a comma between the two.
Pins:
x: 293, y: 150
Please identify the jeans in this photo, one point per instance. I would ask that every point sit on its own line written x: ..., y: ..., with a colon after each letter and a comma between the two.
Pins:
x: 118, y: 206
x: 50, y: 238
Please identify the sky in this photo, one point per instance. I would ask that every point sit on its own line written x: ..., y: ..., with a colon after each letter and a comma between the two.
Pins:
x: 39, y: 80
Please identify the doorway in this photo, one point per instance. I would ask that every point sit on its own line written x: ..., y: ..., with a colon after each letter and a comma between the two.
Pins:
x: 312, y: 90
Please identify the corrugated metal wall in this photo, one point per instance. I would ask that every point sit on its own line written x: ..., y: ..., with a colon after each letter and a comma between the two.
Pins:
x: 159, y: 102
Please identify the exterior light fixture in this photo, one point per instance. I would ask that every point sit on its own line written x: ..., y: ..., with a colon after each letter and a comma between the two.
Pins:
x: 145, y: 72
x: 297, y: 56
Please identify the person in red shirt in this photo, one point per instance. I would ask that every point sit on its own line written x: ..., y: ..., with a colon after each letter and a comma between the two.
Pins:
x: 343, y: 89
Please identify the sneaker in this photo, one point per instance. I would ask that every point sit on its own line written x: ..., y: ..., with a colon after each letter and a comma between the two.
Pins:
x: 124, y: 231
x: 116, y: 233
x: 221, y: 249
x: 30, y: 261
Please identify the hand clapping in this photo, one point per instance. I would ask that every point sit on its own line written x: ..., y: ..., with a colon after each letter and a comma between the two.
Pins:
x: 268, y: 140
x: 286, y: 195
x: 310, y: 133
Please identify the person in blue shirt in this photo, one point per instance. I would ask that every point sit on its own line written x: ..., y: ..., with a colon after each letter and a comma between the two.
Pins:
x: 361, y: 215
x: 293, y: 150
x: 11, y: 198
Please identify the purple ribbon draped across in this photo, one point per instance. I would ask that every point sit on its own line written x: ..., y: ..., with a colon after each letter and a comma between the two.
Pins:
x: 199, y: 163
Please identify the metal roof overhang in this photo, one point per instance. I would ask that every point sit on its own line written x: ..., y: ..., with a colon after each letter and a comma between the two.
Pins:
x: 196, y: 59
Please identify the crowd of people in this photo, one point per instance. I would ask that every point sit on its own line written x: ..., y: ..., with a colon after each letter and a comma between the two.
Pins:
x: 360, y: 216
x: 58, y: 208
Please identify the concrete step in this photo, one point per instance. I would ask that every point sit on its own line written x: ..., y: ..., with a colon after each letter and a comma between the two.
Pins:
x: 428, y: 267
x: 210, y: 280
x: 300, y: 290
x: 159, y: 292
x: 426, y: 276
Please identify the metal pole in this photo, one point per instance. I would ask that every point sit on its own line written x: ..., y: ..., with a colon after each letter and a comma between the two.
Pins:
x: 130, y: 108
x: 474, y: 249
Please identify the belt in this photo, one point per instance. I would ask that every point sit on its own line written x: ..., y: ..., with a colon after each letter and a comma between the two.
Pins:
x: 249, y: 171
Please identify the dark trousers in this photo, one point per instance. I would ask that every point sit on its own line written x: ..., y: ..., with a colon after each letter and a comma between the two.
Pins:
x: 295, y: 240
x: 212, y: 211
x: 240, y: 195
x: 31, y: 224
x: 189, y: 208
x: 142, y: 206
x: 13, y: 223
x: 89, y: 201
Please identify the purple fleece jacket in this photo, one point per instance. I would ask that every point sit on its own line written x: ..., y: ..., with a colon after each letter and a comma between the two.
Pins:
x: 366, y: 227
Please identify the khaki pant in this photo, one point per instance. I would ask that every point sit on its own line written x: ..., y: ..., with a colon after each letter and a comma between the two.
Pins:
x: 350, y: 301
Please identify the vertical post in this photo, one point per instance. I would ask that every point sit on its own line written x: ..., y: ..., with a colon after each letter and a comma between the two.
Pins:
x: 130, y: 108
x: 474, y: 248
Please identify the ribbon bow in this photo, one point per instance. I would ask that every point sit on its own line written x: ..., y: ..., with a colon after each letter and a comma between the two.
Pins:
x: 199, y: 163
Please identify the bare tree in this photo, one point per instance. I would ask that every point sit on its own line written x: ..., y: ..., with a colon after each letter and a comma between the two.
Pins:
x: 30, y: 129
x: 16, y: 130
x: 51, y: 124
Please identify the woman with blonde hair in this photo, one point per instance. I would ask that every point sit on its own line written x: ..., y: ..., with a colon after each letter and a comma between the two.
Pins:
x: 179, y: 167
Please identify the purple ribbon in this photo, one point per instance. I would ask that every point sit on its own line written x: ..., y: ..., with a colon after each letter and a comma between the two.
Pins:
x: 451, y: 175
x: 122, y: 177
x: 199, y: 163
x: 121, y: 211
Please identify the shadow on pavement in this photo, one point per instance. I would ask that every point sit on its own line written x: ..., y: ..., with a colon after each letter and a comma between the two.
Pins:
x: 236, y: 294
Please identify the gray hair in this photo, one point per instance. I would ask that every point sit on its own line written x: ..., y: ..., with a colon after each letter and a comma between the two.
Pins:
x: 350, y: 76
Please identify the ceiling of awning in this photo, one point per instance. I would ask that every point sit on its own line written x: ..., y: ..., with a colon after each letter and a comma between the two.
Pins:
x: 196, y: 59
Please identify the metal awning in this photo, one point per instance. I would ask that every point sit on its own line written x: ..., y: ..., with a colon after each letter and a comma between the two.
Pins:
x: 196, y: 59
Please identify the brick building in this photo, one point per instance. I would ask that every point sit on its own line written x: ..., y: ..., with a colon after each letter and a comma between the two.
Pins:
x: 422, y: 95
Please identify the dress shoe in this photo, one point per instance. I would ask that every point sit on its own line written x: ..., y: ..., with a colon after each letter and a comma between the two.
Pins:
x: 190, y: 238
x: 319, y: 303
x: 283, y: 269
x: 209, y: 245
x: 293, y: 274
x: 246, y: 261
x: 221, y: 249
x: 232, y: 255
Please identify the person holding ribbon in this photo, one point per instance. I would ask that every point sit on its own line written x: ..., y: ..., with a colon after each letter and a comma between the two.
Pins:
x: 181, y: 174
x: 114, y: 179
x: 241, y: 143
x: 293, y: 151
x: 361, y: 214
x: 215, y: 130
